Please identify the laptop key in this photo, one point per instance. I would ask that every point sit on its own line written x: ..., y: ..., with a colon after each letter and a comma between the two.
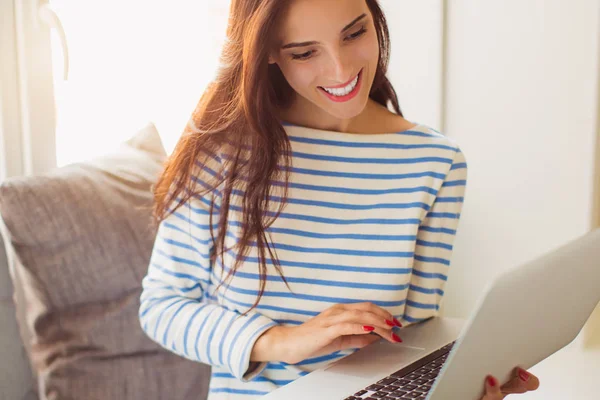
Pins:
x: 387, y: 381
x: 412, y: 376
x: 394, y: 395
x: 374, y: 388
x: 420, y: 381
x: 412, y: 395
x: 360, y: 393
x: 409, y: 387
x: 387, y: 389
x: 431, y: 375
x: 379, y: 395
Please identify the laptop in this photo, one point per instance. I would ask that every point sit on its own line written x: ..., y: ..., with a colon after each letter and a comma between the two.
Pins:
x: 525, y: 315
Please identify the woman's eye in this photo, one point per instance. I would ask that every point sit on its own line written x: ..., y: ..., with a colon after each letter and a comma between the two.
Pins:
x: 307, y: 55
x: 302, y: 56
x: 358, y: 34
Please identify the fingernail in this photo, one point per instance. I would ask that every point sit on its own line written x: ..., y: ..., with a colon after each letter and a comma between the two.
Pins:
x: 396, y: 338
x: 368, y: 328
x: 390, y: 323
x: 523, y: 375
x: 397, y: 323
x: 491, y: 381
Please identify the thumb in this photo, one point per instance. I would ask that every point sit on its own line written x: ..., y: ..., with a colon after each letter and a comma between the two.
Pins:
x: 492, y: 389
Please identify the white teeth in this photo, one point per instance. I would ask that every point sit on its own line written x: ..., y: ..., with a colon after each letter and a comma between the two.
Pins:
x: 343, y: 91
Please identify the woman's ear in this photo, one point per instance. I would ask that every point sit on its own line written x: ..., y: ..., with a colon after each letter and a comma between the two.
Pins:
x: 272, y: 60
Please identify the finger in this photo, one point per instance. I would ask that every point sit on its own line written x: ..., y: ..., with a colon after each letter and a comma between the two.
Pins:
x: 358, y: 317
x: 346, y: 328
x: 531, y: 381
x: 373, y: 308
x: 521, y: 382
x: 389, y: 335
x: 370, y: 307
x: 492, y: 389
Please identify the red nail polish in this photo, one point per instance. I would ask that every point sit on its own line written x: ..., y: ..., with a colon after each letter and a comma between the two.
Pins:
x: 523, y: 375
x: 398, y: 324
x: 368, y: 328
x: 491, y: 381
x: 390, y: 323
x: 396, y: 338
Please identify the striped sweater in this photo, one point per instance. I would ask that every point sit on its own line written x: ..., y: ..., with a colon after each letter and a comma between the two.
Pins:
x: 369, y: 217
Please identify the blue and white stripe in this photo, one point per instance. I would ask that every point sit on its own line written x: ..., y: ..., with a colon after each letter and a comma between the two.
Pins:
x: 369, y: 218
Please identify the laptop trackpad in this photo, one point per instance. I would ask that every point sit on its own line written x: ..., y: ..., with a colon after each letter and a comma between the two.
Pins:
x: 376, y: 359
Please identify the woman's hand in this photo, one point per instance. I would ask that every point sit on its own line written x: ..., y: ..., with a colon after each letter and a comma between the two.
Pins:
x: 340, y: 327
x: 521, y: 382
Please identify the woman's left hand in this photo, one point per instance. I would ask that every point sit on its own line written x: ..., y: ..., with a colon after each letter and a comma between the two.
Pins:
x: 521, y: 382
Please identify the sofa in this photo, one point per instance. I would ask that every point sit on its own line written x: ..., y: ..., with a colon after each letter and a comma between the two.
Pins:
x: 76, y: 242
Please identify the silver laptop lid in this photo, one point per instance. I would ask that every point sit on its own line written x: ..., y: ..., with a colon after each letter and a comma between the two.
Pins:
x: 525, y: 315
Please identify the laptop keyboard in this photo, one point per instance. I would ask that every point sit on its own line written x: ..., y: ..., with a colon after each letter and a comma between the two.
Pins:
x: 411, y: 382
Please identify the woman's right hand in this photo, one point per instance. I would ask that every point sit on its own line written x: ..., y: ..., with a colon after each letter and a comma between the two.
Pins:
x: 340, y: 327
x: 521, y: 382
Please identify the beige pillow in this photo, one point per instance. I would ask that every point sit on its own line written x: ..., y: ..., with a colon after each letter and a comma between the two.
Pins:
x: 81, y: 238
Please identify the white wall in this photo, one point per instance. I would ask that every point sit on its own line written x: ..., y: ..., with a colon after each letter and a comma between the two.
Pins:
x: 516, y: 84
x: 522, y: 101
x: 416, y: 64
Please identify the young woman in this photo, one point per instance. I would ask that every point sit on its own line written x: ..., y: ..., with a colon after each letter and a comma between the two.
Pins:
x: 299, y: 218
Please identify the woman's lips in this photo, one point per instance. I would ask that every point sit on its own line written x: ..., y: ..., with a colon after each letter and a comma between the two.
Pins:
x: 349, y: 96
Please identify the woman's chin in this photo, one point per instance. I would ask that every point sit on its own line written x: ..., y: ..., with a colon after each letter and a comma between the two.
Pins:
x: 346, y: 111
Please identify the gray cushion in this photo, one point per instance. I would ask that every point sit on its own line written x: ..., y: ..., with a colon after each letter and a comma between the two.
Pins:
x: 82, y: 236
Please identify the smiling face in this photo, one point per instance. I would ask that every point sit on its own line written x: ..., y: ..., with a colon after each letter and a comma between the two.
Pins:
x: 328, y: 52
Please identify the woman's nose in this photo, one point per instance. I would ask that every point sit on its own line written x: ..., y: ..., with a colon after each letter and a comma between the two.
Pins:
x: 340, y: 69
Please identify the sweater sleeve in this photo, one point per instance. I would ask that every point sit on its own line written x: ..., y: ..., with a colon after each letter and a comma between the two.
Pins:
x: 435, y: 240
x: 174, y: 309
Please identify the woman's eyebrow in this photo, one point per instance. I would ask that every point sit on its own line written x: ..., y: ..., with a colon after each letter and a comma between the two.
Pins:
x: 302, y: 44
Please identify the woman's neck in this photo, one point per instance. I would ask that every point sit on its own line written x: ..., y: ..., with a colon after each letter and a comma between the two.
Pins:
x: 307, y: 114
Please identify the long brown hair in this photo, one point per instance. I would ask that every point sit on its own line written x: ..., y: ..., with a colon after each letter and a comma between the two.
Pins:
x: 237, y: 115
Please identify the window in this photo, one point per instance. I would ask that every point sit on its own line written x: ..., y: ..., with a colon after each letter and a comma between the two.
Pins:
x: 131, y: 62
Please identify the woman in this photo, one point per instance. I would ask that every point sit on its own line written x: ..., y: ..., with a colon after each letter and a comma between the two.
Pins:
x: 299, y: 218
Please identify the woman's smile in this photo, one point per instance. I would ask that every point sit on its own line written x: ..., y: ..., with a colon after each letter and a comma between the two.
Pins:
x: 345, y: 92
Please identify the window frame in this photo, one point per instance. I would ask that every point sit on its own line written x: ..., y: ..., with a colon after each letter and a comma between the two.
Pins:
x: 27, y: 105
